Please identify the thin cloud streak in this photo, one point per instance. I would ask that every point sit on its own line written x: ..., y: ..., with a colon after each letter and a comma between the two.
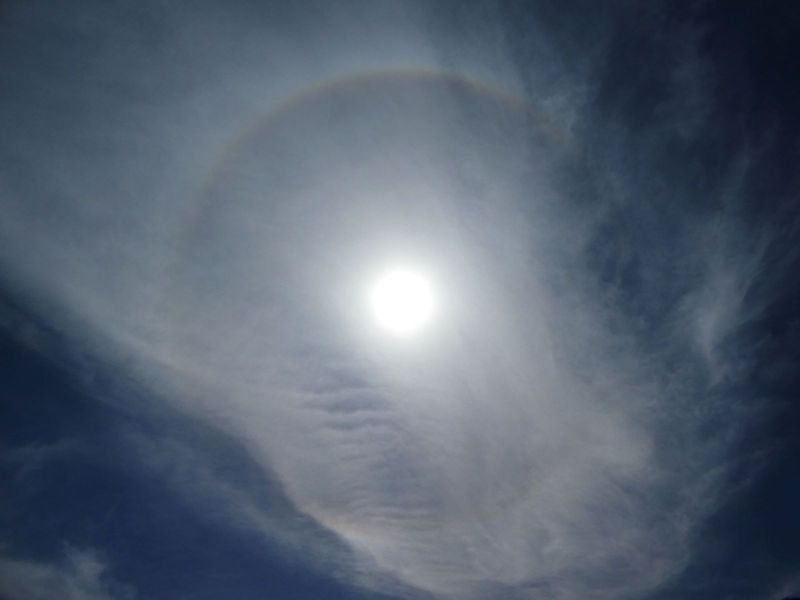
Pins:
x: 81, y: 575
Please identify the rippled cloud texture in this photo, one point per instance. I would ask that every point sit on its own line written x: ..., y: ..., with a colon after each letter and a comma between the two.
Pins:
x: 200, y: 197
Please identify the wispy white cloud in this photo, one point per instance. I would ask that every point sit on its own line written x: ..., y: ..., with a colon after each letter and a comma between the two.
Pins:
x: 541, y: 436
x: 79, y: 575
x: 29, y: 459
x: 789, y: 587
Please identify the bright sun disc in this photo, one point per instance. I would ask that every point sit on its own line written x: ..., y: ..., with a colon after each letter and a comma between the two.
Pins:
x: 402, y: 301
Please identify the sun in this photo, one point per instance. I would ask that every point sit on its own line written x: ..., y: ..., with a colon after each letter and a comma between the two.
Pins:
x: 402, y: 301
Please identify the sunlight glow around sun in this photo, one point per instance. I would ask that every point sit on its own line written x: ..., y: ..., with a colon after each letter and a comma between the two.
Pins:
x: 402, y: 301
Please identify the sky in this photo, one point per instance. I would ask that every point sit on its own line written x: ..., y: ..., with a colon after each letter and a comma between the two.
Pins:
x: 197, y: 200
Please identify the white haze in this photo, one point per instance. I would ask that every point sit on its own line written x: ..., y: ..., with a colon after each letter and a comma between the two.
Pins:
x: 540, y: 439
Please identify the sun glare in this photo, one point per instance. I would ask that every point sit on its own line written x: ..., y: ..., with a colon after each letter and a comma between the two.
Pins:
x: 402, y: 301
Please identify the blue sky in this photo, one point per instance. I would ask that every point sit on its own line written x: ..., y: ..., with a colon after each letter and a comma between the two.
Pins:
x: 197, y: 200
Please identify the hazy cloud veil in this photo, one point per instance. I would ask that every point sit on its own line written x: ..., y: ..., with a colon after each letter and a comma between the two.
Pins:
x: 230, y: 181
